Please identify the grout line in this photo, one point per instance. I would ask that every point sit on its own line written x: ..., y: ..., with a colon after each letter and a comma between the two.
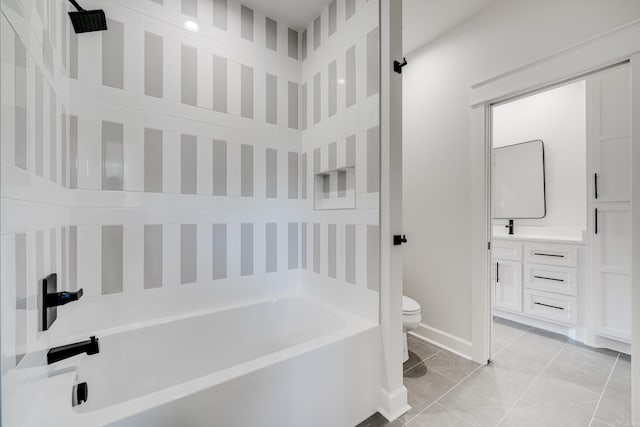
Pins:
x: 423, y: 360
x: 446, y: 392
x: 532, y: 383
x: 511, y: 342
x: 604, y: 389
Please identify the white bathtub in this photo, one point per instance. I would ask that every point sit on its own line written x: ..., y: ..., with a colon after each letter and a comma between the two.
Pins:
x: 286, y: 362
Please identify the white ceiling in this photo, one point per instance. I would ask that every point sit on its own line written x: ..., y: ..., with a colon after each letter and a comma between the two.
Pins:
x: 425, y: 20
x: 297, y: 14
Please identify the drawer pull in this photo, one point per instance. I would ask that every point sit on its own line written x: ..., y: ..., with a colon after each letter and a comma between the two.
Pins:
x: 548, y: 305
x: 552, y: 255
x: 548, y: 278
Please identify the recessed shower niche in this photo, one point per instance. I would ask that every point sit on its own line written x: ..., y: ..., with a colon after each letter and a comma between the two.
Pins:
x: 335, y: 189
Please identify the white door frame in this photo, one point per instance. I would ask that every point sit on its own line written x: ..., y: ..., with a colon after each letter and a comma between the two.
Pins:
x: 611, y: 48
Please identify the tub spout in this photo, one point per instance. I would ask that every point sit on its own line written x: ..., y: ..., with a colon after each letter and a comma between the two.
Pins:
x: 57, y: 354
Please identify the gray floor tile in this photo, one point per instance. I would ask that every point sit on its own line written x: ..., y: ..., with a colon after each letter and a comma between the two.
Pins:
x: 424, y: 387
x: 473, y: 407
x: 582, y: 366
x: 530, y: 353
x: 502, y: 386
x: 574, y: 415
x: 437, y: 416
x: 615, y: 406
x: 597, y: 423
x: 557, y: 392
x: 422, y: 349
x: 451, y: 365
x: 377, y: 420
x: 622, y: 371
x: 504, y: 333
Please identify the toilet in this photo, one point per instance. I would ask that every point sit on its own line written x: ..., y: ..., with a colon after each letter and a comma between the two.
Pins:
x: 411, y: 318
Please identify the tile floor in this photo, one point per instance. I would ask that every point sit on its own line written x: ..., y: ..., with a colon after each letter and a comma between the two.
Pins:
x: 536, y: 379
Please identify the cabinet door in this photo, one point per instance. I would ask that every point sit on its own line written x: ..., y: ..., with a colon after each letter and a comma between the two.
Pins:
x: 609, y: 135
x: 507, y: 285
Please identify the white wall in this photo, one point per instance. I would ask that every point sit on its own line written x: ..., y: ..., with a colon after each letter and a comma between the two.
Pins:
x: 558, y: 118
x: 437, y: 160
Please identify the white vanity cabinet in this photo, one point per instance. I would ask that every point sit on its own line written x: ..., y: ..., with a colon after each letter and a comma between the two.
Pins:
x: 536, y: 279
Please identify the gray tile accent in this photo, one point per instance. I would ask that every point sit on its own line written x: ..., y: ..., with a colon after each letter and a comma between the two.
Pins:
x: 271, y: 250
x: 350, y: 7
x: 152, y: 256
x: 246, y: 170
x: 113, y: 55
x: 246, y: 92
x: 305, y: 45
x: 317, y: 32
x: 331, y: 250
x: 73, y: 257
x: 373, y: 160
x: 333, y: 155
x: 293, y: 43
x: 373, y: 257
x: 219, y: 262
x: 351, y: 150
x: 272, y: 173
x: 219, y: 167
x: 188, y: 253
x: 246, y: 249
x: 271, y: 35
x: 153, y: 65
x: 271, y: 98
x: 73, y: 55
x: 190, y: 7
x: 21, y: 296
x: 189, y: 75
x: 350, y: 253
x: 333, y: 17
x: 189, y: 164
x: 303, y: 107
x: 220, y: 84
x: 317, y: 100
x: 332, y: 89
x: 220, y: 14
x: 316, y: 247
x: 53, y: 136
x: 293, y: 175
x: 342, y: 183
x: 39, y: 123
x: 20, y: 119
x: 112, y: 156
x: 303, y: 243
x: 350, y: 78
x: 112, y: 259
x: 373, y: 62
x: 64, y: 118
x: 303, y: 174
x: 73, y: 151
x: 316, y: 160
x: 246, y: 24
x: 292, y: 246
x: 153, y: 160
x: 292, y: 104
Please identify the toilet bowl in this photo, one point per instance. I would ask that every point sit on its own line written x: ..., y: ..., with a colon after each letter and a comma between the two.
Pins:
x: 411, y: 318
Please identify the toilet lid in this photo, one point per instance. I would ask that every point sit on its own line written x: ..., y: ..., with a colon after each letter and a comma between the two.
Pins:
x: 409, y: 305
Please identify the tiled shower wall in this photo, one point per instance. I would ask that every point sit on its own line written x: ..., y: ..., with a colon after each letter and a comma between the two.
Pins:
x: 150, y: 156
x: 340, y: 128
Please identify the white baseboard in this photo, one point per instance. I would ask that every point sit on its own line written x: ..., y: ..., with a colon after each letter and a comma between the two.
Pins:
x: 444, y: 340
x: 393, y: 405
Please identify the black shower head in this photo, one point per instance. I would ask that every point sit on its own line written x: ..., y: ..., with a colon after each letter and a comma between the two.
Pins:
x: 85, y: 21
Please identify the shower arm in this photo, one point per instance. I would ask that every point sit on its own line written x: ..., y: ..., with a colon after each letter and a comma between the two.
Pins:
x: 77, y: 6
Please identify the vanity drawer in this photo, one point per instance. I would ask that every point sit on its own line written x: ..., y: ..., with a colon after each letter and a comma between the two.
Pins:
x: 558, y: 308
x: 509, y: 251
x: 551, y: 254
x: 551, y: 278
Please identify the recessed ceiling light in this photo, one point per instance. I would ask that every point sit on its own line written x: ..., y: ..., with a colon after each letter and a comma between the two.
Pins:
x: 341, y: 81
x: 191, y: 26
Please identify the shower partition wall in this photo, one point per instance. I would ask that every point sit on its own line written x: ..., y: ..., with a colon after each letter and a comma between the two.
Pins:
x: 180, y: 153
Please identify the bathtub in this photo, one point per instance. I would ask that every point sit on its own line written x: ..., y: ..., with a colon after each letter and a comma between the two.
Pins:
x: 286, y: 362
